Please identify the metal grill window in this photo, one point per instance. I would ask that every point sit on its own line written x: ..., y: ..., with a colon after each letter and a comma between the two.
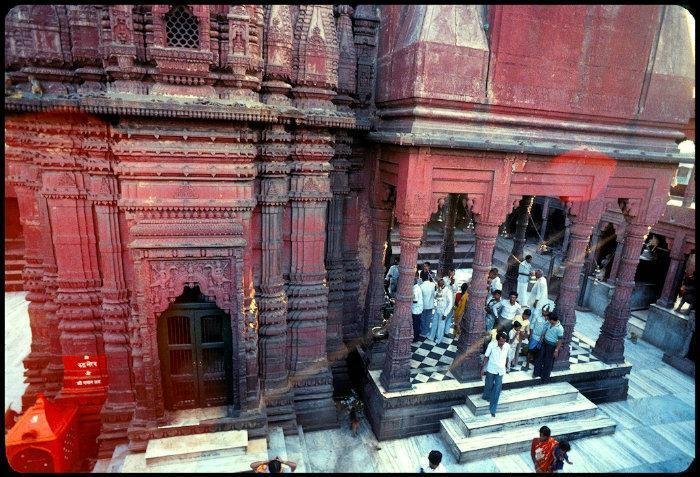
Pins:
x: 181, y: 28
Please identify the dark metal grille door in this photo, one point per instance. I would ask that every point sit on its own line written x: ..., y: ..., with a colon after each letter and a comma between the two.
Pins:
x: 215, y: 359
x: 179, y: 369
x: 196, y: 356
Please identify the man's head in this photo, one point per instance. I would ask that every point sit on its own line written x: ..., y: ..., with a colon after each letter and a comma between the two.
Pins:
x: 464, y: 287
x: 512, y: 296
x: 565, y: 446
x: 451, y: 272
x: 493, y: 273
x: 553, y: 319
x: 441, y: 283
x: 545, y: 433
x: 275, y: 466
x: 395, y: 260
x: 501, y: 338
x: 517, y: 325
x: 426, y: 266
x: 526, y: 314
x: 424, y: 276
x: 496, y: 294
x: 538, y: 273
x: 435, y: 457
x: 528, y: 258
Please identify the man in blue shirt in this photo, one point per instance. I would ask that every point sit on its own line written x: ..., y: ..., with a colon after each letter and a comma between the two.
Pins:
x: 551, y: 342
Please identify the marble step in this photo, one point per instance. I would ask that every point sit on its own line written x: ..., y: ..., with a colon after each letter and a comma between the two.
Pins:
x: 636, y: 326
x: 255, y: 451
x: 472, y: 425
x: 276, y: 444
x: 196, y: 446
x: 514, y: 441
x: 525, y: 398
x: 295, y: 452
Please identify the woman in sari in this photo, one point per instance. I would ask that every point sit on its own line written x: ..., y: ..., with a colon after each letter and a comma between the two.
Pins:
x: 542, y: 451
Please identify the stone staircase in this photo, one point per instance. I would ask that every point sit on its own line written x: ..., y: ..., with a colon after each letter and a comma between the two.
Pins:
x: 208, y: 452
x: 229, y: 451
x: 14, y: 264
x: 291, y: 447
x: 473, y: 434
x: 637, y: 323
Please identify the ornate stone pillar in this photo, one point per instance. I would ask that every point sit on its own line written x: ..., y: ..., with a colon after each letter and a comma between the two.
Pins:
x: 271, y: 296
x: 567, y: 235
x: 24, y: 176
x: 689, y: 196
x: 516, y: 255
x: 119, y: 406
x: 375, y: 291
x: 337, y: 323
x: 545, y: 217
x: 351, y: 264
x: 620, y: 238
x: 468, y: 365
x: 580, y: 231
x: 79, y: 310
x: 249, y: 312
x: 53, y: 372
x: 673, y: 277
x: 589, y: 264
x: 610, y: 346
x: 396, y: 373
x: 447, y: 251
x: 307, y: 290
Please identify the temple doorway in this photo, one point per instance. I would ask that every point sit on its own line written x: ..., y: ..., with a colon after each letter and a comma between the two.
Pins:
x: 195, y: 349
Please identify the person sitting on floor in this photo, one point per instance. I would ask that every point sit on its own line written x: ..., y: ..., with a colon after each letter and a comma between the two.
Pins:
x: 434, y: 463
x: 273, y: 466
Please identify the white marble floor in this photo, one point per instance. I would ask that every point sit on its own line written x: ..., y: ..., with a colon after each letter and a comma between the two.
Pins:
x: 655, y: 433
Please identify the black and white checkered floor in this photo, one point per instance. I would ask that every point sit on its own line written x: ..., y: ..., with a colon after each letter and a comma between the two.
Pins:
x: 431, y: 361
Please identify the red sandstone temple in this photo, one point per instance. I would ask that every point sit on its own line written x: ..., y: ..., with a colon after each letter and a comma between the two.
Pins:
x: 202, y: 195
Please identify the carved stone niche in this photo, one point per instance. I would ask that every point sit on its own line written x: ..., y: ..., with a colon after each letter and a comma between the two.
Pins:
x: 181, y: 50
x: 165, y: 274
x: 173, y: 254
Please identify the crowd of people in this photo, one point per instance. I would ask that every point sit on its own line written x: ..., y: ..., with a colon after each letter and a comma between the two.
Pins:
x: 524, y: 323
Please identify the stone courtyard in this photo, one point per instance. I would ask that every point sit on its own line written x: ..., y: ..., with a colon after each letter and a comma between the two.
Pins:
x: 655, y: 425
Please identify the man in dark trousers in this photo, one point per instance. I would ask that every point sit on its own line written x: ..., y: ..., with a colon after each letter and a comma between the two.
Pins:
x: 552, y: 339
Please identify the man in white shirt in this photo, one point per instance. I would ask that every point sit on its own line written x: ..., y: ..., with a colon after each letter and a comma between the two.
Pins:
x: 494, y: 280
x: 428, y: 289
x: 494, y: 366
x: 393, y: 276
x: 416, y: 308
x: 434, y: 464
x: 524, y: 272
x: 538, y: 294
x: 509, y: 311
x: 444, y: 303
x: 451, y: 283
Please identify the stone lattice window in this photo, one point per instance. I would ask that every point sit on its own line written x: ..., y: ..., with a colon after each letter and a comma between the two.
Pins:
x: 181, y: 28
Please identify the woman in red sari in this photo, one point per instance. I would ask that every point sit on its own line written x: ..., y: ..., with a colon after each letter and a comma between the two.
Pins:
x: 542, y: 451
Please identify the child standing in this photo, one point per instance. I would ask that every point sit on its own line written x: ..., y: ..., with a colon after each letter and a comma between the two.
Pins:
x: 515, y: 336
x: 560, y: 455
